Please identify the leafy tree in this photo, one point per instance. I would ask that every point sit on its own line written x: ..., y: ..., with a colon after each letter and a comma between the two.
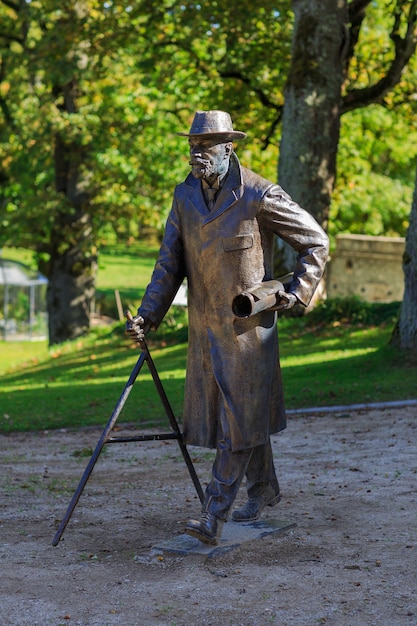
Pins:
x: 79, y: 147
x: 92, y: 93
x: 373, y: 191
x: 50, y: 145
x: 332, y: 73
x: 352, y: 61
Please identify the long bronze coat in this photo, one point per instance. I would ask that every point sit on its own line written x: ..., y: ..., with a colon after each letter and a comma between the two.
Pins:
x: 233, y: 363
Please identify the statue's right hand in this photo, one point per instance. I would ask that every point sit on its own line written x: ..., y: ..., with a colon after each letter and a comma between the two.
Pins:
x: 137, y: 327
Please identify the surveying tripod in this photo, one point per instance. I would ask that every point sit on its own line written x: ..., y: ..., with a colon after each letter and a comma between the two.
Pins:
x: 106, y: 436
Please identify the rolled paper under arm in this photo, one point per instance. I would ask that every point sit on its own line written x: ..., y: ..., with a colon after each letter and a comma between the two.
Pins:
x: 259, y: 298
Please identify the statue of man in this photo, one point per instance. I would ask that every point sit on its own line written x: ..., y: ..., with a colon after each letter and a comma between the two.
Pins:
x: 220, y: 235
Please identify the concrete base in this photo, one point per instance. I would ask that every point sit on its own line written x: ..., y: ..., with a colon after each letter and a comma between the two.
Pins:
x: 234, y: 535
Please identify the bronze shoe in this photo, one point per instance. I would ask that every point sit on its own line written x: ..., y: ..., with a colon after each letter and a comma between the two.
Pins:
x: 207, y: 529
x: 253, y: 507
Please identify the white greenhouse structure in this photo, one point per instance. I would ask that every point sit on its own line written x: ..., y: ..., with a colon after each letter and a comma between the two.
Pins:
x: 22, y: 302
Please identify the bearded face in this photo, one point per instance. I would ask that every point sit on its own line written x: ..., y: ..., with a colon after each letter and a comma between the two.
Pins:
x: 209, y: 158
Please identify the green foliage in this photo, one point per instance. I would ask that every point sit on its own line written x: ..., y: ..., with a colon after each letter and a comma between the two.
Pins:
x: 375, y: 173
x: 377, y: 149
x: 352, y: 310
x: 139, y: 71
x: 111, y: 132
x: 365, y: 206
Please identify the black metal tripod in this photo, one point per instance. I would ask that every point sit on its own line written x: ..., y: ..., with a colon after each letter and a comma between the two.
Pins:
x: 107, y: 438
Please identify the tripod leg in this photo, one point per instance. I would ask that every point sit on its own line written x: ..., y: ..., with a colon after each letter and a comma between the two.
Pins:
x: 102, y: 441
x: 173, y: 422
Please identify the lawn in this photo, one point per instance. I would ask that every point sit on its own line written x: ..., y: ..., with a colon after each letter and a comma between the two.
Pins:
x: 127, y: 269
x: 335, y: 356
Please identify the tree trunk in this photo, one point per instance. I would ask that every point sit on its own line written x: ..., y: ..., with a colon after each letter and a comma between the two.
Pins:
x: 311, y: 117
x: 70, y: 293
x: 72, y: 263
x: 405, y: 333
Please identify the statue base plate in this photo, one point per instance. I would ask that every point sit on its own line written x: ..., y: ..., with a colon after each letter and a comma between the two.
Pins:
x: 234, y: 535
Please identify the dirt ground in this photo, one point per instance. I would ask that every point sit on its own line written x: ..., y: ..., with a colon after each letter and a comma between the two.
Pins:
x: 349, y: 482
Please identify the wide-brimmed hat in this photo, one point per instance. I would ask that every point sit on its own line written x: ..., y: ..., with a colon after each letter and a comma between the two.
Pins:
x: 213, y: 125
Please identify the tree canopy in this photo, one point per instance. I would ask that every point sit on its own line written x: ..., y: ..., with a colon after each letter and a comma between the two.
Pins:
x: 92, y: 94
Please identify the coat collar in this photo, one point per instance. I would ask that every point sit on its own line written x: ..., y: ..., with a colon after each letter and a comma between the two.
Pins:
x: 229, y: 194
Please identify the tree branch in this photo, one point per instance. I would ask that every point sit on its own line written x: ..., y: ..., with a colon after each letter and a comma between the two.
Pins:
x: 231, y: 74
x: 272, y: 129
x: 262, y: 98
x: 357, y: 8
x: 357, y: 12
x: 404, y: 49
x: 261, y: 95
x: 9, y: 37
x: 6, y: 112
x: 15, y: 6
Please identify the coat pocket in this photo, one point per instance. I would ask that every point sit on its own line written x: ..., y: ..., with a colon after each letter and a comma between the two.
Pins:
x: 240, y: 242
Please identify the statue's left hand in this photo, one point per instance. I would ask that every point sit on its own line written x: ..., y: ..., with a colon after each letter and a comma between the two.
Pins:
x: 287, y: 300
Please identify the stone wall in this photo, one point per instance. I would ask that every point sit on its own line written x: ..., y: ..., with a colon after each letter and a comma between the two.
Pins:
x: 368, y: 267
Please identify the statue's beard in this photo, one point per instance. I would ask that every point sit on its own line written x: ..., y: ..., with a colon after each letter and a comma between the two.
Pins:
x: 202, y: 168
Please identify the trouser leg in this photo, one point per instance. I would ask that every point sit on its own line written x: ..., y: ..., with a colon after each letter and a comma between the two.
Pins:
x: 227, y: 474
x: 261, y: 471
x: 261, y: 484
x: 228, y: 470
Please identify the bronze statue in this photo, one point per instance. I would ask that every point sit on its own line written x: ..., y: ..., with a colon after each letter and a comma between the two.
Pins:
x: 220, y: 235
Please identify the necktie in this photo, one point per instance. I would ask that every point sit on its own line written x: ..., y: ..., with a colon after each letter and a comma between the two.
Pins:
x: 211, y: 196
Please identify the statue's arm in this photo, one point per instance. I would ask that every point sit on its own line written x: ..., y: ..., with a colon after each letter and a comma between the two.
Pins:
x: 286, y: 219
x: 168, y: 273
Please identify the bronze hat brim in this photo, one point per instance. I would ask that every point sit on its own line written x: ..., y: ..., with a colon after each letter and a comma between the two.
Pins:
x: 228, y: 135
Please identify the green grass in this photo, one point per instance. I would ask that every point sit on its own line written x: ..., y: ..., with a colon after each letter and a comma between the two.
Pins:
x: 339, y: 354
x: 79, y: 383
x: 349, y: 367
x: 20, y: 255
x: 127, y: 269
x: 21, y: 352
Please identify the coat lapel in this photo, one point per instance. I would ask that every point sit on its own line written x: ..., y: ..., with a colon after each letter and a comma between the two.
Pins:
x: 231, y: 191
x: 229, y: 194
x: 195, y: 195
